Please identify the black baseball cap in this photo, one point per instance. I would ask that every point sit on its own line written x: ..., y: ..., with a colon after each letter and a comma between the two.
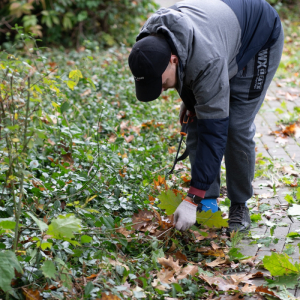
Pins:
x: 148, y: 60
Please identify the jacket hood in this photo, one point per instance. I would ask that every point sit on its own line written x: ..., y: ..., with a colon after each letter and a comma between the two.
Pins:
x: 177, y: 27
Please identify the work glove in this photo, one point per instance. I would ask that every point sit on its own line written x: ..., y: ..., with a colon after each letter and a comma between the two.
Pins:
x: 185, y: 215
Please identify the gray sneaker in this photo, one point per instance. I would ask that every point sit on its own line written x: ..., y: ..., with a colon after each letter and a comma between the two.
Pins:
x: 239, y: 218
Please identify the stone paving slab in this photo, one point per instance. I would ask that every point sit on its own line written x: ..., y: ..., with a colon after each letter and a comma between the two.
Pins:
x: 287, y: 154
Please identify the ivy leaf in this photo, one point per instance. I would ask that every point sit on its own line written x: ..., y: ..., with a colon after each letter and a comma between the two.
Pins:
x: 288, y: 282
x: 255, y: 217
x: 8, y: 264
x: 210, y: 219
x: 64, y: 227
x: 48, y: 269
x: 43, y: 226
x: 279, y: 264
x: 293, y: 235
x: 169, y: 201
x: 7, y: 223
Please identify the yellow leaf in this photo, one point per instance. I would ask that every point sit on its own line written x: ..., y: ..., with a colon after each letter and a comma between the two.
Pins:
x: 53, y: 87
x: 89, y: 199
x: 71, y: 84
x: 2, y: 67
x: 76, y: 75
x: 16, y: 116
x: 55, y: 104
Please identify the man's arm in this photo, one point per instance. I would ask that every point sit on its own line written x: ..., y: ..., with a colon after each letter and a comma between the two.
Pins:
x: 212, y: 93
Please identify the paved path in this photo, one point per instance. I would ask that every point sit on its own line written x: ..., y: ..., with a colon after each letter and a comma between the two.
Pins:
x: 282, y: 156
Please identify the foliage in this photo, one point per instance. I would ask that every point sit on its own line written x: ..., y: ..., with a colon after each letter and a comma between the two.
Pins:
x: 91, y: 23
x: 79, y: 157
x: 279, y: 265
x: 169, y: 201
x: 8, y: 264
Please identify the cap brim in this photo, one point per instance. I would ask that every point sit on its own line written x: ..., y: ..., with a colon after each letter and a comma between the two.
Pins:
x: 148, y: 90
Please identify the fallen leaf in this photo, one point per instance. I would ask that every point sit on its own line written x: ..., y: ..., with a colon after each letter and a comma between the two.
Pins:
x: 169, y: 264
x: 263, y: 289
x: 163, y: 276
x: 142, y: 219
x: 281, y: 140
x: 117, y: 263
x: 109, y: 297
x: 217, y: 253
x: 180, y: 256
x: 31, y: 294
x: 221, y: 283
x: 129, y: 138
x: 217, y: 262
x: 112, y: 138
x: 121, y: 115
x: 188, y: 270
x: 249, y: 288
x: 214, y: 245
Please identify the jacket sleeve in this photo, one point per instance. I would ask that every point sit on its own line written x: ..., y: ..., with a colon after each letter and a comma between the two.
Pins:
x: 211, y: 90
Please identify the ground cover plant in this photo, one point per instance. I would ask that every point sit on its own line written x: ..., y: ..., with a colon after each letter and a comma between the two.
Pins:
x: 86, y: 205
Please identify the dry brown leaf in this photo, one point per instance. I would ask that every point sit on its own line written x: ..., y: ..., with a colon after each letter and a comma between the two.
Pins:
x: 217, y: 253
x: 221, y: 283
x: 124, y: 125
x: 263, y: 289
x: 172, y: 149
x: 31, y: 294
x: 129, y: 139
x: 112, y: 138
x: 170, y: 264
x: 198, y: 236
x: 92, y: 276
x: 124, y: 231
x: 290, y: 97
x: 121, y: 114
x: 214, y: 245
x: 180, y: 256
x: 136, y: 129
x: 249, y: 288
x: 188, y: 270
x: 86, y: 93
x: 109, y: 297
x: 238, y: 278
x: 142, y: 219
x: 203, y: 249
x: 217, y: 262
x: 117, y: 263
x: 281, y: 140
x: 163, y: 276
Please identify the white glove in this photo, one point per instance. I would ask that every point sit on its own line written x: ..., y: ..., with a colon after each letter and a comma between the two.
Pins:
x: 185, y: 215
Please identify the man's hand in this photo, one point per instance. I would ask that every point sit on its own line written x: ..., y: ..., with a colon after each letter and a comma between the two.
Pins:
x: 185, y: 215
x: 182, y: 112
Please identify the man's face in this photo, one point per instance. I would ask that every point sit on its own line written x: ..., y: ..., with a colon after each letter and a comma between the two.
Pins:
x: 169, y: 77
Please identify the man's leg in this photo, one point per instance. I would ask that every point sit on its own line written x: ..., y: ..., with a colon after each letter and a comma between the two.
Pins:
x: 247, y: 92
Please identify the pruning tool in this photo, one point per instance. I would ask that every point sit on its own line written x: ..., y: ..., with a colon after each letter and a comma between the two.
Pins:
x: 183, y: 133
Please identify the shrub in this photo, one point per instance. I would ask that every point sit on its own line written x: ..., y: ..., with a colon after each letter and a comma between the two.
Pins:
x: 75, y: 22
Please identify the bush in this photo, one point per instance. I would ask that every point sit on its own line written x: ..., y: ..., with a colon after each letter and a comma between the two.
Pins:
x: 75, y: 22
